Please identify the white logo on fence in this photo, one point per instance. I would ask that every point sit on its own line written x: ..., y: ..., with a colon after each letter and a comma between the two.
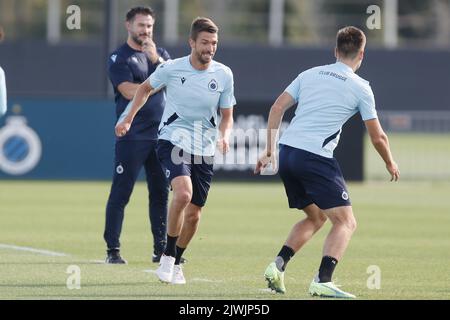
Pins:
x: 374, y: 280
x: 374, y: 20
x: 74, y: 20
x: 74, y: 279
x: 20, y: 147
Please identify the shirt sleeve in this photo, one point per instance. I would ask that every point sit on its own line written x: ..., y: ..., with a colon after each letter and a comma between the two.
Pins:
x: 158, y: 79
x: 119, y: 71
x: 366, y: 104
x: 294, y: 89
x: 3, y: 104
x: 227, y: 99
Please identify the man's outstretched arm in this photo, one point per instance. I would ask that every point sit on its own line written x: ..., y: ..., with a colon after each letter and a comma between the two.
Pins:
x: 283, y: 103
x: 143, y: 92
x: 381, y: 143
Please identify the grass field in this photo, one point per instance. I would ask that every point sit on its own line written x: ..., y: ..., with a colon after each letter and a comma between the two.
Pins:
x: 421, y: 156
x: 404, y: 229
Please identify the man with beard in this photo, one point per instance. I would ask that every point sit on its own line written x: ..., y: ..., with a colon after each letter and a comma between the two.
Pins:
x: 197, y: 87
x: 129, y: 66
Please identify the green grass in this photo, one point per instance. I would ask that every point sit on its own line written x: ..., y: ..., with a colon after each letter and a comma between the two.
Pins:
x: 420, y: 156
x: 403, y: 228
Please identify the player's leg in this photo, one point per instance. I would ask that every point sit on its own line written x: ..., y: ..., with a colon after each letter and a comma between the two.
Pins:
x: 128, y: 161
x: 178, y: 173
x: 201, y: 177
x: 158, y: 188
x: 290, y: 158
x: 300, y: 234
x: 182, y: 193
x: 344, y: 225
x: 333, y: 198
x: 192, y: 215
x: 303, y: 230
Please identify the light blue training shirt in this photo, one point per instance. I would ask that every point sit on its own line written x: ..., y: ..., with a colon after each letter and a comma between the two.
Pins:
x: 189, y: 120
x: 327, y: 97
x: 3, y: 105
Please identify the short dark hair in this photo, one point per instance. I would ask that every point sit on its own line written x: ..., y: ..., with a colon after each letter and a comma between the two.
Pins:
x: 349, y: 41
x: 146, y: 11
x: 201, y: 24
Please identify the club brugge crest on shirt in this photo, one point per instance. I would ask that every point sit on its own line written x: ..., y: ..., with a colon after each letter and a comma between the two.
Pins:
x: 213, y: 85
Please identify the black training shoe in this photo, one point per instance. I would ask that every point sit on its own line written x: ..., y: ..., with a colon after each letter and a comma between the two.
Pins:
x: 157, y: 256
x: 113, y: 257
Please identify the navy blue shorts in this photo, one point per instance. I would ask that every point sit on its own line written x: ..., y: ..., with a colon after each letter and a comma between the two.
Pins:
x: 310, y: 178
x: 176, y: 163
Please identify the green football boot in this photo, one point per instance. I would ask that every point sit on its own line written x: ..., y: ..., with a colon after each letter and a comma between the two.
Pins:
x: 328, y: 290
x: 275, y: 278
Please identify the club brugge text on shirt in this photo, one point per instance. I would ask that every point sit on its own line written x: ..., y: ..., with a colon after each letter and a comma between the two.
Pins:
x: 332, y: 74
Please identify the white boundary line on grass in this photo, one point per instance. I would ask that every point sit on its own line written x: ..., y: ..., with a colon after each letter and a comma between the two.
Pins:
x: 97, y: 261
x: 207, y: 280
x: 33, y: 250
x: 267, y: 290
x: 150, y: 271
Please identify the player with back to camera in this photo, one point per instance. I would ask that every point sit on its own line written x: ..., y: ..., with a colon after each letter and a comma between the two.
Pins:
x: 327, y: 97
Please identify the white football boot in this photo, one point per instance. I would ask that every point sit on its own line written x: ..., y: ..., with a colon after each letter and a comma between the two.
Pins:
x: 178, y: 277
x: 165, y: 269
